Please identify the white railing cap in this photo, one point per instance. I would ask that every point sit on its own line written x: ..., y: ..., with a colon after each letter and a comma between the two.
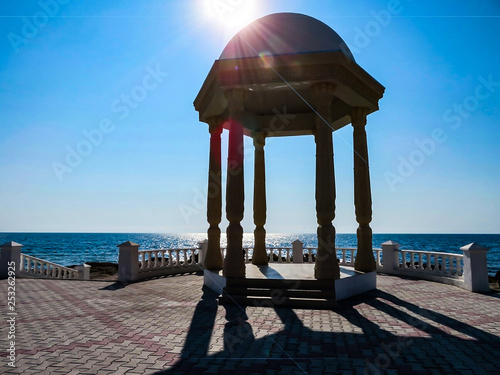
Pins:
x: 389, y: 243
x: 129, y: 244
x: 48, y: 262
x: 11, y: 244
x: 431, y: 253
x: 473, y: 247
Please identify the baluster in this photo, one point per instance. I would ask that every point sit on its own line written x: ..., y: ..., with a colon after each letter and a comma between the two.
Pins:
x: 287, y: 255
x: 343, y: 257
x: 169, y: 258
x: 246, y: 250
x: 177, y: 258
x: 352, y: 258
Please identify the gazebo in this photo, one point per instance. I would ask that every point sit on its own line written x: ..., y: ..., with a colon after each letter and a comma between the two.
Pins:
x: 285, y: 74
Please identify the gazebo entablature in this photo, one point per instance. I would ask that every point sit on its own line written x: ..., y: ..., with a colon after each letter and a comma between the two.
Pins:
x: 313, y: 93
x: 278, y: 83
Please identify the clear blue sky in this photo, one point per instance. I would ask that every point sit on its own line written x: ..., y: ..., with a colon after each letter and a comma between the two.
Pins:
x: 125, y: 73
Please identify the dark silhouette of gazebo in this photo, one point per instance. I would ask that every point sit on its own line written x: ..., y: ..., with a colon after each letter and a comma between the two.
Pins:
x: 294, y: 64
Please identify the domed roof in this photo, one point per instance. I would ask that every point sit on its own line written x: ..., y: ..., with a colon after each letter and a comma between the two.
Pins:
x: 283, y: 34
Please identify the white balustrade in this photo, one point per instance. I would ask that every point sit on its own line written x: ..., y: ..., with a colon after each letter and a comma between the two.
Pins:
x: 310, y: 252
x: 438, y: 263
x: 154, y: 260
x: 36, y: 267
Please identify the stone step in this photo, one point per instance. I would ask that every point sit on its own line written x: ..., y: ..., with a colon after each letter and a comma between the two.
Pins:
x: 279, y: 292
x: 298, y: 303
x: 280, y: 283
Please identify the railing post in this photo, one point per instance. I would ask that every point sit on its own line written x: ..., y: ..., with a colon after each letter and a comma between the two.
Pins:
x: 390, y: 256
x: 203, y: 249
x: 128, y: 261
x: 298, y: 251
x: 83, y: 271
x: 11, y: 252
x: 475, y: 268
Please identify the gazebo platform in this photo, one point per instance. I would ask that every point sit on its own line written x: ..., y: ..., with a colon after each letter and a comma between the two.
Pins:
x: 289, y: 284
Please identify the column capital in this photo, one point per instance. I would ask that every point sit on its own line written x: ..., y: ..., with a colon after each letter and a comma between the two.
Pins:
x: 214, y: 125
x: 259, y: 140
x: 322, y: 94
x: 236, y: 99
x: 358, y: 116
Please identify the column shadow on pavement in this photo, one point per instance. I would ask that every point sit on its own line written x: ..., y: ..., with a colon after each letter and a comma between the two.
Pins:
x: 296, y: 349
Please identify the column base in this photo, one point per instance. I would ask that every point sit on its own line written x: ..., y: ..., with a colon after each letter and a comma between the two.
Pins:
x: 259, y: 256
x: 234, y: 262
x: 213, y: 259
x: 364, y: 262
x: 327, y: 266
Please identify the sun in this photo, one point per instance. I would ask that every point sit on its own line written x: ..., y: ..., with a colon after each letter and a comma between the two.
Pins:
x: 231, y: 15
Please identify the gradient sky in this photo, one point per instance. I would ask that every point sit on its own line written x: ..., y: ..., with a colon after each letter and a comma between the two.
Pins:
x: 68, y: 67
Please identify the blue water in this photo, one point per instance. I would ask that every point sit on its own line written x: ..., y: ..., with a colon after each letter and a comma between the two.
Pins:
x: 76, y: 248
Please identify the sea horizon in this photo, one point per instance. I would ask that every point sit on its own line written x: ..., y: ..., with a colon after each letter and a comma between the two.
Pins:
x: 70, y: 248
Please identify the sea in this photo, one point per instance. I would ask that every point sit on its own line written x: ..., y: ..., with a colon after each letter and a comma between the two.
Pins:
x: 77, y: 248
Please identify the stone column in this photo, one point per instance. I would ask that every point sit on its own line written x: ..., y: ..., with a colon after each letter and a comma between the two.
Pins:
x: 475, y: 268
x: 128, y: 261
x: 298, y: 251
x: 83, y: 271
x: 213, y: 257
x: 326, y: 266
x: 10, y: 256
x: 365, y: 261
x: 259, y: 201
x: 390, y: 256
x: 234, y: 263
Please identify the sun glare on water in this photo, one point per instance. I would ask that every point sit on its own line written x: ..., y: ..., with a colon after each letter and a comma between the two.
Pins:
x: 230, y: 15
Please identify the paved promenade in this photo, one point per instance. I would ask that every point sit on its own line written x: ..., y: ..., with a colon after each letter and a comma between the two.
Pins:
x: 170, y: 326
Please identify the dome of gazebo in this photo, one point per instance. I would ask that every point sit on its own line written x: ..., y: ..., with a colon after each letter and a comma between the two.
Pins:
x: 284, y: 34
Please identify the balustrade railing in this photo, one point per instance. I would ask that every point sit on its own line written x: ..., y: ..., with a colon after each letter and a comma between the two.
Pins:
x: 153, y: 260
x: 345, y: 255
x: 432, y: 262
x: 36, y: 267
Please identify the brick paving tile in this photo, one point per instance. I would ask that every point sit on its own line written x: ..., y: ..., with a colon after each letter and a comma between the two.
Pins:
x: 164, y: 326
